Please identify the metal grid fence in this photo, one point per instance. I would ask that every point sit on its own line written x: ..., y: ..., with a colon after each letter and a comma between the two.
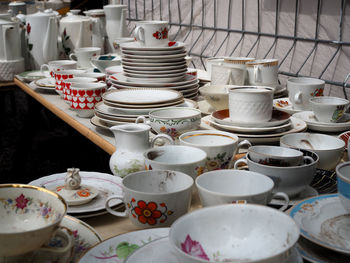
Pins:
x: 184, y: 27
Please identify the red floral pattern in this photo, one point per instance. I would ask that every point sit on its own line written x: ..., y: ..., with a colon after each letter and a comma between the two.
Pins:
x: 162, y: 34
x: 21, y: 202
x: 29, y: 28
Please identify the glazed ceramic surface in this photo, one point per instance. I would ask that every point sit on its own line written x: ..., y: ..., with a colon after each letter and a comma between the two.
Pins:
x: 172, y: 45
x: 63, y: 75
x: 154, y: 198
x: 118, y: 248
x: 323, y: 220
x: 300, y: 90
x: 284, y: 104
x: 329, y: 149
x: 186, y: 159
x: 329, y: 109
x: 251, y: 237
x: 291, y: 180
x: 98, y: 27
x: 263, y: 72
x: 29, y: 76
x: 106, y: 184
x: 105, y: 61
x: 57, y: 65
x: 28, y: 213
x: 216, y: 96
x: 313, y: 124
x: 343, y: 179
x: 221, y: 147
x: 222, y: 74
x: 152, y: 33
x: 83, y: 55
x: 10, y: 42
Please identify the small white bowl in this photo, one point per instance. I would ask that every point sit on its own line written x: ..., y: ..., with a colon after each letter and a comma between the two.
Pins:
x: 328, y: 109
x: 234, y: 233
x: 329, y: 148
x: 216, y: 95
x: 104, y: 61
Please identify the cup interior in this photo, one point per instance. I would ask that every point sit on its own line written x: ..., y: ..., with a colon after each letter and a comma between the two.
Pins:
x: 274, y: 151
x: 175, y: 112
x: 306, y: 81
x: 207, y: 139
x: 175, y: 154
x: 158, y: 181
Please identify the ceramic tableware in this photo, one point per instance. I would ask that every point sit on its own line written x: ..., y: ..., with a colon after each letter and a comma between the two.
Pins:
x: 290, y: 180
x: 83, y: 55
x: 85, y: 96
x: 225, y: 75
x: 173, y: 121
x: 154, y: 198
x: 314, y: 124
x: 57, y: 65
x: 343, y: 179
x: 45, y: 82
x: 186, y: 159
x: 152, y: 33
x: 284, y: 104
x: 300, y: 90
x: 171, y: 45
x: 247, y: 233
x: 250, y: 104
x: 233, y: 186
x: 104, y: 61
x: 98, y: 28
x: 121, y: 40
x: 329, y: 109
x: 28, y: 213
x: 329, y: 148
x: 124, y: 245
x: 67, y: 84
x: 132, y: 140
x: 277, y: 156
x: 29, y: 76
x: 239, y: 62
x: 323, y: 221
x: 216, y: 96
x: 345, y: 137
x: 220, y: 146
x: 263, y: 72
x: 96, y: 75
x: 63, y: 75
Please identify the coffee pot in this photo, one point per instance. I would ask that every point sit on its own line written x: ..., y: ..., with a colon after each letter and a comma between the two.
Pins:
x: 98, y: 27
x: 42, y: 37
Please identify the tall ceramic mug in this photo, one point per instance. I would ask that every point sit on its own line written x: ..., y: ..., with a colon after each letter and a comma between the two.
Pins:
x: 152, y: 33
x: 154, y: 198
x: 57, y: 65
x: 263, y: 72
x: 83, y: 55
x: 250, y: 104
x: 301, y: 90
x: 220, y: 146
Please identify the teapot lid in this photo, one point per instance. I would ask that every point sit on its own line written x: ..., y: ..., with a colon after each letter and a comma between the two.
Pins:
x: 73, y: 16
x: 115, y: 6
x: 95, y: 12
x: 46, y: 12
x: 15, y: 3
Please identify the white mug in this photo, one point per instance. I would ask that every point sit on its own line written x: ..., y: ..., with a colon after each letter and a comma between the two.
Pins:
x: 263, y: 72
x: 83, y: 55
x: 152, y: 33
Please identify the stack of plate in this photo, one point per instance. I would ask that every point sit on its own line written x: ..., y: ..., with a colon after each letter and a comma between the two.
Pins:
x: 280, y: 124
x: 155, y: 67
x: 125, y: 105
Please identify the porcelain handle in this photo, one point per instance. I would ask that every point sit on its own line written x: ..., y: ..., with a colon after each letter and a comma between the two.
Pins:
x: 240, y: 161
x: 110, y: 210
x: 298, y: 97
x: 257, y: 74
x: 162, y: 136
x: 140, y: 34
x: 285, y: 197
x: 308, y: 160
x: 244, y: 143
x: 72, y: 56
x: 141, y: 119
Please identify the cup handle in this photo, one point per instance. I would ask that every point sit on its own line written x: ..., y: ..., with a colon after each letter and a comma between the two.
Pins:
x: 297, y: 98
x: 162, y: 136
x: 240, y: 145
x: 285, y: 197
x: 140, y: 34
x: 141, y: 119
x: 110, y: 210
x: 257, y: 74
x: 72, y: 56
x: 308, y: 159
x: 42, y: 68
x: 240, y: 161
x: 239, y: 202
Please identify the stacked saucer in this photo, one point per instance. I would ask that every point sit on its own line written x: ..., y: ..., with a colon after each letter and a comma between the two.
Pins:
x: 125, y: 105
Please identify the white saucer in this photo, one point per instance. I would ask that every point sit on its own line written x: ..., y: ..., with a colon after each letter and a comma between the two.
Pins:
x: 117, y: 248
x: 152, y: 52
x: 137, y: 46
x: 29, y: 76
x: 34, y: 86
x: 160, y: 251
x: 306, y: 193
x: 324, y: 221
x: 155, y: 57
x: 314, y: 124
x: 163, y: 65
x: 178, y: 88
x: 154, y: 79
x: 284, y: 104
x: 153, y: 72
x: 107, y: 185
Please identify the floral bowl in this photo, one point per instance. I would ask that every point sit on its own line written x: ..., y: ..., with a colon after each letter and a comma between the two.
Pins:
x: 234, y: 233
x: 174, y: 121
x: 29, y: 217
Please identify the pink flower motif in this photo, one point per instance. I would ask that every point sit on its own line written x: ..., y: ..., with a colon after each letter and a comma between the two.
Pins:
x: 193, y: 248
x: 21, y: 201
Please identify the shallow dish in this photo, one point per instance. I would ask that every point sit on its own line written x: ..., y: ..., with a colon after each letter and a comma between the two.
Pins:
x: 152, y: 52
x: 137, y: 46
x: 323, y: 221
x: 33, y: 75
x: 154, y: 56
x: 284, y: 104
x: 45, y: 82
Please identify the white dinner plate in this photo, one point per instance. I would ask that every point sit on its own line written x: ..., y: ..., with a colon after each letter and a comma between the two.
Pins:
x: 152, y: 72
x: 324, y: 221
x: 152, y: 52
x: 314, y: 124
x: 145, y: 106
x: 45, y: 82
x: 154, y: 60
x: 137, y: 46
x: 118, y: 248
x: 107, y: 185
x: 178, y: 88
x: 155, y: 75
x: 156, y: 66
x: 34, y: 86
x: 155, y: 57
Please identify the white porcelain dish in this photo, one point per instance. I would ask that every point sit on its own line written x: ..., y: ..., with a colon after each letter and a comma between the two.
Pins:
x: 172, y: 45
x: 161, y: 56
x: 284, y: 104
x: 152, y: 52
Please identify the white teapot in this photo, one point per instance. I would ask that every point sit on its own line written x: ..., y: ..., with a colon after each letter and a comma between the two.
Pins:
x: 75, y: 31
x: 42, y: 37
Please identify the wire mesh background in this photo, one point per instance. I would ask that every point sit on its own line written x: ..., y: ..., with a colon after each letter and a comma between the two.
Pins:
x: 309, y: 37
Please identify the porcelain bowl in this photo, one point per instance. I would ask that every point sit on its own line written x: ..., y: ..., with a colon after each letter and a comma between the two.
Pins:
x: 104, y: 61
x: 234, y: 233
x: 175, y: 121
x: 329, y: 149
x: 328, y: 109
x: 216, y: 95
x: 29, y: 217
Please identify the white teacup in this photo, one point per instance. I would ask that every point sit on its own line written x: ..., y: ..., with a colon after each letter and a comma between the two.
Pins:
x: 63, y: 75
x: 329, y: 109
x: 152, y: 33
x: 250, y: 104
x: 220, y: 146
x: 222, y: 74
x: 301, y: 90
x: 277, y: 156
x: 233, y: 186
x: 83, y: 55
x: 186, y: 159
x: 263, y: 72
x: 66, y: 89
x: 57, y: 65
x: 154, y: 198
